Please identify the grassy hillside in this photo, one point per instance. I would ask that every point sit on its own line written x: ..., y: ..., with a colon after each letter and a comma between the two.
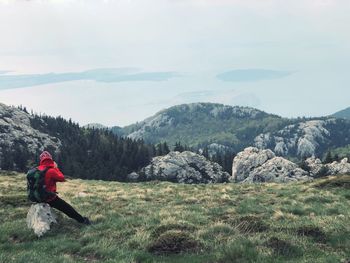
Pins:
x: 200, y: 124
x: 164, y: 222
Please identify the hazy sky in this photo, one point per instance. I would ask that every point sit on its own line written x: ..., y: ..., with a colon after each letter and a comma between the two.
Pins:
x: 117, y: 62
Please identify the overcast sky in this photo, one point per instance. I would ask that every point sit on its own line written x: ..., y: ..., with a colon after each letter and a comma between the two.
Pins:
x: 118, y: 62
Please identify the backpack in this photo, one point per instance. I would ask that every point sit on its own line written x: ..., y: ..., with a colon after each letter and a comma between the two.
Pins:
x: 36, y: 188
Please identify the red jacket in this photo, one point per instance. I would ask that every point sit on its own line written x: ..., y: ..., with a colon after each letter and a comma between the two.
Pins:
x: 52, y: 175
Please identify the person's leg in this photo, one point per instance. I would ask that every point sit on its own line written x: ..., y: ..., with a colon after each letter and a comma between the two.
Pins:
x: 66, y: 208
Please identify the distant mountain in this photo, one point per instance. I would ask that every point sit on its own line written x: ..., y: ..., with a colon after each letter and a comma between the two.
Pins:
x: 201, y: 124
x: 117, y: 130
x: 217, y: 126
x: 343, y: 114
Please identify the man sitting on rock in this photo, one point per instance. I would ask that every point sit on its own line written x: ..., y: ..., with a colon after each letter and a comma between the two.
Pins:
x: 53, y: 175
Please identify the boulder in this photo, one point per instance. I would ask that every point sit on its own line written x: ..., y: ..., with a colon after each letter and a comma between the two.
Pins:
x: 133, y: 177
x: 254, y: 165
x: 318, y: 169
x: 246, y: 161
x: 315, y: 166
x: 342, y: 167
x: 277, y: 170
x: 185, y: 167
x: 40, y: 217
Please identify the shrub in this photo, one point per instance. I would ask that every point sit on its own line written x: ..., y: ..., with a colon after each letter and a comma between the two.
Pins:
x: 250, y: 224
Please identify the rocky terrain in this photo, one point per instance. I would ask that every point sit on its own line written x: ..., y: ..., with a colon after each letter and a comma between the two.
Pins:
x: 221, y: 127
x: 16, y: 131
x: 15, y: 126
x: 185, y: 167
x: 306, y: 138
x: 214, y: 127
x: 254, y: 166
x: 318, y: 169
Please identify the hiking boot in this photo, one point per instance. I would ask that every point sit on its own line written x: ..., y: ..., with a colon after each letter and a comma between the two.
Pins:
x: 86, y: 221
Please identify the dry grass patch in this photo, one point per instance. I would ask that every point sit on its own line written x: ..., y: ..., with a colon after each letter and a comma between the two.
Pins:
x: 250, y: 224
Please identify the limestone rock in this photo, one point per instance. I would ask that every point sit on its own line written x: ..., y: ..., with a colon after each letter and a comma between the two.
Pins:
x: 184, y: 167
x: 302, y: 139
x: 246, y: 161
x: 342, y: 167
x: 277, y: 170
x: 15, y: 127
x: 318, y: 169
x: 254, y: 165
x: 40, y: 217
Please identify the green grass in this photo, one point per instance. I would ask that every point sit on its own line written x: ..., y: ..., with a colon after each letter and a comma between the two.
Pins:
x: 165, y: 222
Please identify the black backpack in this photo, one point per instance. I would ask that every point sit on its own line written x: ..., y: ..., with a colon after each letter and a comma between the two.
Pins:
x: 36, y: 188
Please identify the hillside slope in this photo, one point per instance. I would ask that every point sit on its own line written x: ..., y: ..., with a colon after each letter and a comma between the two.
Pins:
x: 343, y: 114
x: 211, y: 125
x: 305, y: 138
x: 164, y: 222
x: 201, y: 124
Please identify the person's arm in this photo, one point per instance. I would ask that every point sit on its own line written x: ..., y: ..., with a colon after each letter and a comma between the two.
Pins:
x: 57, y: 175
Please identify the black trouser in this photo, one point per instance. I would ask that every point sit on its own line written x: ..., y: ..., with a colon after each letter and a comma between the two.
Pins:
x: 66, y: 208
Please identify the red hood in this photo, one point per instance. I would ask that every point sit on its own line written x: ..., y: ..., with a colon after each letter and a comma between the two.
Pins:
x: 47, y: 163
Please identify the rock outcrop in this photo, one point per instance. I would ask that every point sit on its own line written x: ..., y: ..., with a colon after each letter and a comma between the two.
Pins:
x: 39, y: 218
x: 15, y: 128
x: 185, y: 167
x: 318, y: 169
x: 302, y: 139
x: 254, y: 165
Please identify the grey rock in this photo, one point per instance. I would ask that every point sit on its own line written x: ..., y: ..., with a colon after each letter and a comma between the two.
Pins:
x: 278, y: 170
x: 133, y: 177
x: 342, y: 167
x: 248, y: 160
x: 303, y: 138
x: 40, y: 217
x: 255, y: 165
x: 15, y: 126
x: 317, y: 168
x: 185, y: 167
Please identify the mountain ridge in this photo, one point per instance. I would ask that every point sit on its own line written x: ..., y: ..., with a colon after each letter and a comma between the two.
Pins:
x: 200, y: 125
x: 209, y: 123
x: 342, y: 114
